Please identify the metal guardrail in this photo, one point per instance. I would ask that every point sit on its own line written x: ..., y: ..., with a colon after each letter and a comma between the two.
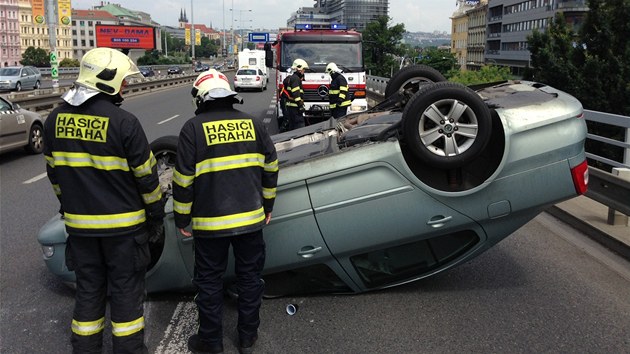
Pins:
x: 47, y: 99
x: 604, y: 187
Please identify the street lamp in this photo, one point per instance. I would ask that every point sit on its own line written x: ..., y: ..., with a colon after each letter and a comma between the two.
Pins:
x: 240, y: 24
x: 241, y: 27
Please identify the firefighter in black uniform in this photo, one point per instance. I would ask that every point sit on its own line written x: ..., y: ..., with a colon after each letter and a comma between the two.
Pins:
x: 105, y: 176
x: 295, y: 103
x: 225, y: 186
x: 284, y: 96
x: 338, y: 95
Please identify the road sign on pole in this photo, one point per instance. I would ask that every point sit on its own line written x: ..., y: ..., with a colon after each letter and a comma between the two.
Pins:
x: 258, y: 37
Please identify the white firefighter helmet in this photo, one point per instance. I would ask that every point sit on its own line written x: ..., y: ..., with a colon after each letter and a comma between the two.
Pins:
x: 105, y: 69
x: 299, y: 64
x: 332, y: 68
x: 211, y: 85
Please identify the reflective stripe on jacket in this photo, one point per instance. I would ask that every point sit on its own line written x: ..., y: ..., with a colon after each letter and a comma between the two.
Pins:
x: 101, y: 168
x: 226, y: 173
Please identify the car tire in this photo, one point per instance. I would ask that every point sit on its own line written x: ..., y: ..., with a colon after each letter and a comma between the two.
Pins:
x: 446, y: 125
x: 37, y: 85
x: 18, y: 86
x: 35, y: 139
x: 409, y: 79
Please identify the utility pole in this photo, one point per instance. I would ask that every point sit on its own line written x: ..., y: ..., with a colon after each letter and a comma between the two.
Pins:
x: 224, y: 51
x: 52, y: 39
x: 193, y: 34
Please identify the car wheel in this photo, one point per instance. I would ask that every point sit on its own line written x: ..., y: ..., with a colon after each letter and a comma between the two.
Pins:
x: 446, y: 125
x: 18, y: 87
x: 35, y: 140
x: 37, y: 85
x: 408, y: 80
x: 165, y: 151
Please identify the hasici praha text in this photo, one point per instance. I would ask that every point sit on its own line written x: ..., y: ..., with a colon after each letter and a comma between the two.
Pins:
x: 81, y: 127
x: 229, y: 131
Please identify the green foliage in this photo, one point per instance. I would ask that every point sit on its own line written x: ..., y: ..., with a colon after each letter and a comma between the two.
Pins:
x: 594, y: 64
x: 487, y: 73
x: 439, y: 59
x: 381, y: 45
x: 35, y: 57
x: 69, y: 63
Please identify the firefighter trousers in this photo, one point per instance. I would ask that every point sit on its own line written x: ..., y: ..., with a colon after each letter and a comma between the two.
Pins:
x: 118, y: 263
x: 211, y: 258
x: 295, y: 118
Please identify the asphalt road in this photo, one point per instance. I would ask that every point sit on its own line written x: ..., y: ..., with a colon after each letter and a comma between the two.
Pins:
x: 546, y: 288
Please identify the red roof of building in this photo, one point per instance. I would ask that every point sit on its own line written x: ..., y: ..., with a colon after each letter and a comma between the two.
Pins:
x: 92, y: 14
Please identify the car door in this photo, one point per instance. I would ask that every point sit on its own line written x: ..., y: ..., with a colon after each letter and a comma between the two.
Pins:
x: 383, y: 229
x: 13, y: 127
x: 26, y: 78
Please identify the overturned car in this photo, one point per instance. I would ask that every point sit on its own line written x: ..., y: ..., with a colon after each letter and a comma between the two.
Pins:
x: 430, y: 178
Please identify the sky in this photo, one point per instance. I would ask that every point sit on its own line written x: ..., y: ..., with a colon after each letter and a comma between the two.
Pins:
x: 417, y: 16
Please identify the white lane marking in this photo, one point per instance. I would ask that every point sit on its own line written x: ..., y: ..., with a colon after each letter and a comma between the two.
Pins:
x: 267, y: 120
x: 182, y: 325
x: 167, y: 119
x: 35, y: 179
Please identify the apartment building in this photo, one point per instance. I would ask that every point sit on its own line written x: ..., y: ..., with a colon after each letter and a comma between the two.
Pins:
x: 84, y: 28
x: 511, y: 21
x: 38, y: 35
x: 10, y: 54
x: 353, y: 13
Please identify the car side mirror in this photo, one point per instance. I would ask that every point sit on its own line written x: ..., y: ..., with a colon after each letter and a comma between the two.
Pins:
x: 16, y: 106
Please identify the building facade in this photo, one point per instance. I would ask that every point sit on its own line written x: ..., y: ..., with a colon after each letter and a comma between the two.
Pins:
x: 476, y: 43
x: 38, y: 35
x: 510, y: 22
x: 84, y: 29
x: 356, y: 14
x: 10, y: 54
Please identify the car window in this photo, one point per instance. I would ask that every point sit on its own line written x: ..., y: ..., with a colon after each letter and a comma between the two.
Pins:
x: 4, y: 106
x: 246, y: 72
x: 260, y: 72
x: 29, y: 71
x: 9, y: 72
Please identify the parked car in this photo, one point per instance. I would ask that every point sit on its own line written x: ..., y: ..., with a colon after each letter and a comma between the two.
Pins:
x: 427, y: 180
x: 19, y: 77
x: 146, y: 71
x: 20, y: 128
x: 230, y: 64
x: 174, y: 70
x: 250, y: 78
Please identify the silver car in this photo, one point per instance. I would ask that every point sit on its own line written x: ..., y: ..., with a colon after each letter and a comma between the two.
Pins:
x: 19, y: 77
x: 427, y: 180
x: 20, y: 128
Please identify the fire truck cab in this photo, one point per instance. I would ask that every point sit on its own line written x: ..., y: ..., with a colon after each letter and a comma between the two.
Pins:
x: 318, y: 47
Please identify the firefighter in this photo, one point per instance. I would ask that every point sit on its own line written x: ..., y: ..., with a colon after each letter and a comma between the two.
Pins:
x: 284, y: 96
x: 338, y: 95
x: 225, y: 186
x: 105, y: 176
x: 295, y: 103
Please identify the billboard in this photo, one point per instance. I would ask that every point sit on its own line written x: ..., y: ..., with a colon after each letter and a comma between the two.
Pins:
x: 64, y: 10
x: 39, y: 12
x: 125, y: 37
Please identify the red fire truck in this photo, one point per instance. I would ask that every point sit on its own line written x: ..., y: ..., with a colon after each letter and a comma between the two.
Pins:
x: 320, y: 46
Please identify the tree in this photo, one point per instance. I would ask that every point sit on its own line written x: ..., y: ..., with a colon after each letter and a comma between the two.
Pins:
x: 35, y: 57
x: 69, y: 63
x: 441, y: 60
x: 381, y: 45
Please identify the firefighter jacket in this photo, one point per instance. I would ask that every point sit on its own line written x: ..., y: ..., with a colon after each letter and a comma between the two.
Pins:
x: 226, y: 172
x: 295, y: 91
x: 101, y: 168
x: 338, y: 93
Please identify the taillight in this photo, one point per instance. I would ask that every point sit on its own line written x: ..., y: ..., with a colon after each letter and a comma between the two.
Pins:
x: 359, y: 93
x: 580, y: 177
x: 235, y: 78
x: 257, y: 78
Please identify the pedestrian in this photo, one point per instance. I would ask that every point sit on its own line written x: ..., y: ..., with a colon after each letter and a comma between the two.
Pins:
x: 295, y: 103
x: 225, y: 186
x: 284, y: 96
x: 338, y: 95
x: 105, y: 176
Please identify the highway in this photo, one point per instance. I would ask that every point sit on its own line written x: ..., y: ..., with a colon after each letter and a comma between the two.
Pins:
x: 546, y: 288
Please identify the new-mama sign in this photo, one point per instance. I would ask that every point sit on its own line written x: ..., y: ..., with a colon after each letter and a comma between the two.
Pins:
x: 125, y: 37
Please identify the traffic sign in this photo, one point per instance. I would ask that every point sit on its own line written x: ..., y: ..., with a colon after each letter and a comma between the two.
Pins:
x: 258, y: 37
x: 53, y: 57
